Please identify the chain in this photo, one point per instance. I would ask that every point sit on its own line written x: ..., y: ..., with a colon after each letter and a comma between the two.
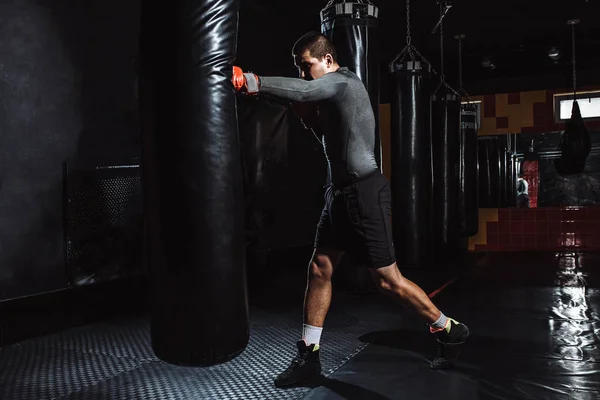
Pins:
x: 460, y: 71
x: 461, y: 89
x: 574, y: 68
x: 408, y: 38
x: 442, y: 6
x: 409, y: 48
x: 424, y: 59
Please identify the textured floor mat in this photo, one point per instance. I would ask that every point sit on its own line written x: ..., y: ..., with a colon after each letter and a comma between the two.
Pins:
x: 114, y: 360
x: 39, y: 372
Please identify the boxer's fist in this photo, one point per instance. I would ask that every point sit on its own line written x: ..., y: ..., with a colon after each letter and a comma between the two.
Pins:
x: 247, y: 83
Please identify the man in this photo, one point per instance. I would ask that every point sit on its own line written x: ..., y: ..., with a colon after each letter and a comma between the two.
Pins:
x: 356, y: 218
x: 522, y: 192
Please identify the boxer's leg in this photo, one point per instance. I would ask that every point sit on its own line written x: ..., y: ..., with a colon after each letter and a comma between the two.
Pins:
x: 326, y: 256
x: 372, y: 215
x: 318, y: 292
x: 391, y: 282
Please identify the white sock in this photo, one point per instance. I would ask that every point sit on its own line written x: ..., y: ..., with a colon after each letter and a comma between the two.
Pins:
x: 311, y: 334
x: 440, y: 323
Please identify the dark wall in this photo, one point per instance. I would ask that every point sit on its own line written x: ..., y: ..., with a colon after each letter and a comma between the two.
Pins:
x: 67, y: 95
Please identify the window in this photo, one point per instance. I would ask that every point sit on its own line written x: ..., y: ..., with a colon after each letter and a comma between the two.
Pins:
x: 589, y: 104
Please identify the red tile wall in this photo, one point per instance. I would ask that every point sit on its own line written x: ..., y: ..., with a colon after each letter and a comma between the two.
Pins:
x: 489, y: 106
x: 552, y: 229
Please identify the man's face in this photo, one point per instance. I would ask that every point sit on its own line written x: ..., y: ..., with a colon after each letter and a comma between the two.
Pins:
x: 311, y: 68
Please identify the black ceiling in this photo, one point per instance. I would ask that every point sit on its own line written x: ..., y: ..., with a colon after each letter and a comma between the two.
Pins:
x: 515, y: 35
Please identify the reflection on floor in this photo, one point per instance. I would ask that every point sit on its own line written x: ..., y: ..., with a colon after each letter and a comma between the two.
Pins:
x: 534, y: 336
x: 535, y: 327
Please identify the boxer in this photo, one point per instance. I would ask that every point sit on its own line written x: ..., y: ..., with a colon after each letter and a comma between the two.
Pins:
x: 356, y: 218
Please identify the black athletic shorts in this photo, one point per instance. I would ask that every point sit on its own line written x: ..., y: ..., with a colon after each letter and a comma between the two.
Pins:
x: 523, y: 201
x: 356, y: 219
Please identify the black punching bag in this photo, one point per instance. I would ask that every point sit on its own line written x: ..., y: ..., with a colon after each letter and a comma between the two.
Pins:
x: 575, y: 145
x: 469, y: 172
x: 445, y: 132
x: 411, y: 176
x: 193, y: 194
x: 352, y: 28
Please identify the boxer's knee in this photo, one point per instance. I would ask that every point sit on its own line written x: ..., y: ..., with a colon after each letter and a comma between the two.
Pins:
x: 390, y: 280
x: 323, y: 264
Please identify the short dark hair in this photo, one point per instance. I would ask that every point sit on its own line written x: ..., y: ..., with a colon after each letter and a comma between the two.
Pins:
x: 316, y: 43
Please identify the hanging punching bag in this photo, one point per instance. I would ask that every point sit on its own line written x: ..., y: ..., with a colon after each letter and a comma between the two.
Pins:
x: 445, y: 132
x: 411, y: 177
x: 193, y: 191
x: 469, y: 172
x: 352, y: 28
x: 575, y: 145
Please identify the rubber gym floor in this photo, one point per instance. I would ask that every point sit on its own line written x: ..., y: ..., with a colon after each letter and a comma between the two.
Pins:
x: 534, y: 335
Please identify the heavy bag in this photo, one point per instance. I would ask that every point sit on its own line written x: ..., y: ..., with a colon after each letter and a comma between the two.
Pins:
x: 411, y: 177
x: 469, y: 172
x: 445, y: 131
x: 264, y: 136
x: 503, y: 172
x: 352, y: 27
x: 192, y: 181
x: 575, y: 145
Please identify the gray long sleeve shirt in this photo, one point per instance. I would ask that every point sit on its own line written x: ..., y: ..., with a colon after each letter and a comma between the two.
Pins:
x: 522, y: 187
x: 345, y: 120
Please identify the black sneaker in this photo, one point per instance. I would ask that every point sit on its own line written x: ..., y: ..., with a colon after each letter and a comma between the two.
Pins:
x: 449, y: 344
x: 304, y: 366
x: 458, y: 334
